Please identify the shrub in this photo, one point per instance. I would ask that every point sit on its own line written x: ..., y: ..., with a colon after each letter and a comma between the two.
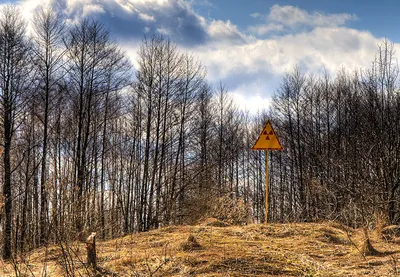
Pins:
x: 231, y: 210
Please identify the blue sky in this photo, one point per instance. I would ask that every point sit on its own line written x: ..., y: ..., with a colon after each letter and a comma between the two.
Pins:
x: 248, y: 44
x: 379, y: 17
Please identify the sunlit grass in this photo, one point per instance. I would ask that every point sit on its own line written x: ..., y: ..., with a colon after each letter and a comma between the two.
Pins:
x: 307, y: 249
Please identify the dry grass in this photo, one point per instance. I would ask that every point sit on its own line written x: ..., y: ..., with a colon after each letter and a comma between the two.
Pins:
x: 254, y: 250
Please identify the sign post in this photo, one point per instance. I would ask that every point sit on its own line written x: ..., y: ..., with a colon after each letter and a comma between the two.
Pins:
x: 266, y: 187
x: 267, y: 140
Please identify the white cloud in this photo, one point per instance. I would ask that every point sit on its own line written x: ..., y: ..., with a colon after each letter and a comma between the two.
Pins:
x: 27, y: 7
x: 146, y: 17
x: 128, y: 18
x: 126, y: 5
x: 325, y: 45
x: 255, y: 15
x: 266, y: 28
x: 291, y: 19
x: 250, y: 67
x: 293, y: 16
x: 222, y: 31
x: 255, y: 102
x: 254, y: 70
x: 91, y: 9
x: 164, y: 31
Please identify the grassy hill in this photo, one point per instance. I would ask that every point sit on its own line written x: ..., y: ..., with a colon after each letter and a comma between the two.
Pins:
x: 306, y: 249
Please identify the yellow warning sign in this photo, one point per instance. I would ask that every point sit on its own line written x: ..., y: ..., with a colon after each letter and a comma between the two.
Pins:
x: 267, y: 139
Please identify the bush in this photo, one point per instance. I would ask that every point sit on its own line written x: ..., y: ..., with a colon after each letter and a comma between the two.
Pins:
x: 231, y: 210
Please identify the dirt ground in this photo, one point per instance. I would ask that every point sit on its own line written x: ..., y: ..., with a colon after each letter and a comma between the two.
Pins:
x: 213, y: 249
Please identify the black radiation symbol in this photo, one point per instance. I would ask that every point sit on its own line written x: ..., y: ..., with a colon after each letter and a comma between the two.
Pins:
x: 268, y: 134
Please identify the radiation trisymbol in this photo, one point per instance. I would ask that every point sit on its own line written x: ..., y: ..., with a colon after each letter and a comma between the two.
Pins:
x: 267, y: 139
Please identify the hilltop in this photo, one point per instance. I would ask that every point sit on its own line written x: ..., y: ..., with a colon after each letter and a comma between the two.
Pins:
x: 301, y: 249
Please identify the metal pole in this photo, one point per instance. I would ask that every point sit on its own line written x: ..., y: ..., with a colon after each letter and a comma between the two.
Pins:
x: 266, y: 186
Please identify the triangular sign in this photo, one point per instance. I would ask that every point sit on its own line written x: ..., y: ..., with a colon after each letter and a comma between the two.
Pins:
x: 267, y: 139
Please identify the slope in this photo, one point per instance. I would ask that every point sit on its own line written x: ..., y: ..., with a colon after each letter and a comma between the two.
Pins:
x: 307, y: 249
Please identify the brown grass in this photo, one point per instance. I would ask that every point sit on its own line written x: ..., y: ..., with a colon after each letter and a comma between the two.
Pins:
x: 254, y: 250
x: 190, y: 244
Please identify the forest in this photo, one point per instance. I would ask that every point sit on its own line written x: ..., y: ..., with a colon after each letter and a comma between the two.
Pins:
x: 91, y: 143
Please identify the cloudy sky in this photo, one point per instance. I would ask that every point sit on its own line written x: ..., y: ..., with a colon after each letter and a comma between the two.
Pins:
x: 248, y: 44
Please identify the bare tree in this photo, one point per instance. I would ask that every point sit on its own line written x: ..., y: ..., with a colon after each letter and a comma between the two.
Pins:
x: 48, y: 54
x: 14, y: 74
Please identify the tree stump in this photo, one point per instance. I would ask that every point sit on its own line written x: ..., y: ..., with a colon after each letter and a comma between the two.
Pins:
x: 367, y: 249
x: 91, y: 250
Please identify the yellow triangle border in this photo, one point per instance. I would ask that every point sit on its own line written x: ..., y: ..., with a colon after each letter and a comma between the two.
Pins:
x: 262, y: 131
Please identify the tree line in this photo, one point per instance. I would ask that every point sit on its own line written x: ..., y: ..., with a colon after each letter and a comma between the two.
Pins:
x: 342, y: 144
x: 90, y: 143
